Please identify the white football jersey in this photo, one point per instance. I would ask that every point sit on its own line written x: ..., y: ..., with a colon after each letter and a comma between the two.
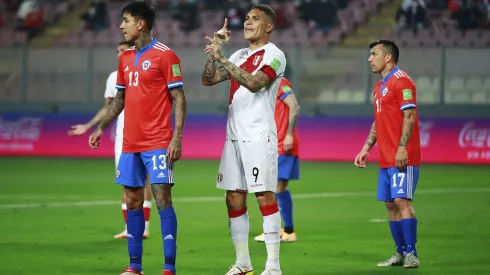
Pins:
x: 251, y: 115
x: 110, y: 92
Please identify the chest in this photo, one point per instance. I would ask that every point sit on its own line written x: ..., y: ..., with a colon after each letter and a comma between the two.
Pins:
x: 250, y: 63
x: 385, y: 99
x: 142, y: 71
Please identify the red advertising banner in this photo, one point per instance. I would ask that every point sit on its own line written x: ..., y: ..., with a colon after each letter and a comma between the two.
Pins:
x: 321, y: 139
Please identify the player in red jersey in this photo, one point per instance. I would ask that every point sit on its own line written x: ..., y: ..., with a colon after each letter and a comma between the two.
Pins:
x: 149, y: 81
x: 286, y: 115
x: 396, y: 131
x: 80, y: 129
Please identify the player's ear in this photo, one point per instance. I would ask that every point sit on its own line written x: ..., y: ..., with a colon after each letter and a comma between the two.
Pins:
x: 141, y: 25
x: 269, y: 28
x: 388, y: 57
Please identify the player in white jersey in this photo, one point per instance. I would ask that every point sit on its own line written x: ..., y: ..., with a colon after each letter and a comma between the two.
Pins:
x: 81, y: 129
x: 249, y: 159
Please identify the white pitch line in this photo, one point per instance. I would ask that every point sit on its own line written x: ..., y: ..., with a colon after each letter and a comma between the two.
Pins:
x: 221, y: 198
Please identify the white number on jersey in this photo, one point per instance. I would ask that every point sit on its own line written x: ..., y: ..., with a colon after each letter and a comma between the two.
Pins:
x: 136, y: 79
x: 401, y: 176
x: 378, y: 105
x: 163, y: 162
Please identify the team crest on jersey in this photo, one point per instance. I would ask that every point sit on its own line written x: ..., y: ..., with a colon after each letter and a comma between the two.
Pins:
x: 257, y: 60
x: 385, y: 91
x: 146, y: 65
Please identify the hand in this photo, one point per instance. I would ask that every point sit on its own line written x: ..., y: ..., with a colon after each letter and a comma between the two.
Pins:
x: 361, y: 159
x: 401, y: 158
x: 78, y: 130
x: 214, y: 48
x: 288, y: 143
x: 94, y: 139
x: 174, y: 150
x: 224, y: 34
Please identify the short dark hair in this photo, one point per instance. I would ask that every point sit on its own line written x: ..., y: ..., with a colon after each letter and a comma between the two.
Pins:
x: 389, y: 46
x: 127, y: 43
x: 267, y: 10
x: 142, y: 9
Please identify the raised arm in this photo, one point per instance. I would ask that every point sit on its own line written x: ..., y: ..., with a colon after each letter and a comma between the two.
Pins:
x: 213, y: 73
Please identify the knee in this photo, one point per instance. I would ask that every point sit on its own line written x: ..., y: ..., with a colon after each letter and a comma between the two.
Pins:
x: 265, y: 198
x: 162, y: 194
x: 282, y: 186
x: 405, y: 207
x: 236, y: 200
x: 133, y: 198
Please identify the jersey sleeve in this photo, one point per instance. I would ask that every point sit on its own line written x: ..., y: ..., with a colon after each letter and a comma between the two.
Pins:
x: 274, y: 64
x: 285, y: 89
x: 406, y: 94
x: 171, y: 70
x: 120, y: 83
x: 110, y: 86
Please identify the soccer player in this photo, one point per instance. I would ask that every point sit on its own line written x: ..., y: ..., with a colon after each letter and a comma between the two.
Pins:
x: 149, y: 81
x: 80, y: 129
x: 396, y: 131
x: 249, y: 159
x: 286, y: 115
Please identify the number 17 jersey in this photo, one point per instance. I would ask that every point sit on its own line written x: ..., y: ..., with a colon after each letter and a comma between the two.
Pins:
x: 392, y: 95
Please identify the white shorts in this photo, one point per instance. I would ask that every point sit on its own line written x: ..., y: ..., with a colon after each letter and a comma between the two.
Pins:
x: 118, y: 143
x: 248, y: 166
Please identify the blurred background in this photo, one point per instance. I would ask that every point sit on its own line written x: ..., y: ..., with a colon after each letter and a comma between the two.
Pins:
x: 60, y: 208
x: 56, y: 56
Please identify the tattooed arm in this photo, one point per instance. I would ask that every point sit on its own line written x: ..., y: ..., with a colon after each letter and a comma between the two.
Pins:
x: 180, y: 110
x: 293, y: 106
x: 252, y: 82
x: 407, y: 127
x: 175, y: 146
x: 116, y: 107
x: 100, y: 114
x: 371, y: 140
x: 213, y: 74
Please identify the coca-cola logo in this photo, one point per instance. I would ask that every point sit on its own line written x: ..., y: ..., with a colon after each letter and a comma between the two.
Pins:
x: 25, y: 128
x: 470, y: 136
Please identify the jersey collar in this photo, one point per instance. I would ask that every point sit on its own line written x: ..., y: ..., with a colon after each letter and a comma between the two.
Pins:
x: 143, y: 50
x: 385, y: 80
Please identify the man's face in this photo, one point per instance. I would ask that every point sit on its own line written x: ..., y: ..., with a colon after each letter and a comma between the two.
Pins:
x: 130, y: 27
x: 378, y: 58
x: 121, y: 49
x: 256, y: 25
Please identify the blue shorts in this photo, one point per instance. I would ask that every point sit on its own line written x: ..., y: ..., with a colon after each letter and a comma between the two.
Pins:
x: 133, y: 168
x: 393, y: 183
x: 288, y: 168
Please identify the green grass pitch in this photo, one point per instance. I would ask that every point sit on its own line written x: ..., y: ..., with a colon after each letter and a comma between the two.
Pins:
x: 58, y: 216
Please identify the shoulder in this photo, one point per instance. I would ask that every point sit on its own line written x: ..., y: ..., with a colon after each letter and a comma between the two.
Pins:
x: 237, y: 54
x: 112, y: 75
x: 128, y: 52
x: 272, y: 50
x: 285, y: 82
x: 162, y: 48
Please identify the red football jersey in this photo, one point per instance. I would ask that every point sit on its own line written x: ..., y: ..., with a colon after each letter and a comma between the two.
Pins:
x: 146, y: 77
x: 282, y: 118
x: 395, y: 93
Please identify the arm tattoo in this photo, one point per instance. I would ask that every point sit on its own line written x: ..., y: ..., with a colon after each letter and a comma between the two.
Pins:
x: 116, y: 107
x: 371, y: 140
x: 407, y: 127
x: 252, y: 82
x: 180, y: 110
x: 100, y: 114
x: 293, y: 112
x: 213, y: 73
